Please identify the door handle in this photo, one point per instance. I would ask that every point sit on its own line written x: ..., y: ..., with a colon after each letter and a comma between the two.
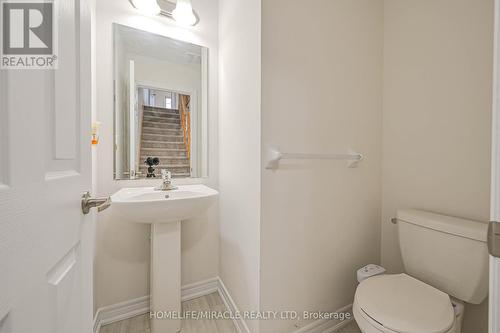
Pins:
x: 100, y: 203
x: 494, y: 239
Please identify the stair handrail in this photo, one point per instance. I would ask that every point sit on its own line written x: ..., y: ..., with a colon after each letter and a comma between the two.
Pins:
x: 186, y: 123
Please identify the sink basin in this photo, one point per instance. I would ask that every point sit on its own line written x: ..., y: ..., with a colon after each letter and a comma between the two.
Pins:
x: 145, y: 205
x: 164, y: 211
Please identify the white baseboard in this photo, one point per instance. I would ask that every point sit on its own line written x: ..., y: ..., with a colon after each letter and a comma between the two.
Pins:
x: 120, y: 311
x: 327, y: 325
x: 135, y: 307
x: 240, y: 324
x: 199, y: 289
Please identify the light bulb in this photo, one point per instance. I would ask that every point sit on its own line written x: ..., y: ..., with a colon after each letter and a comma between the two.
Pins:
x: 148, y: 7
x: 183, y: 13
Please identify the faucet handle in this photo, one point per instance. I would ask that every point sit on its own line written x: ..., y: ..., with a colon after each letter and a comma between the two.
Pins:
x: 165, y: 174
x: 166, y: 184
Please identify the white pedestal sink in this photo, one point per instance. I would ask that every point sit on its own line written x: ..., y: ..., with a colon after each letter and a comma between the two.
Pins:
x: 164, y: 210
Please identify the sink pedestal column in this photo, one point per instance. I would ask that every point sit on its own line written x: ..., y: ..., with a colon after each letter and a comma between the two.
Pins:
x: 165, y: 277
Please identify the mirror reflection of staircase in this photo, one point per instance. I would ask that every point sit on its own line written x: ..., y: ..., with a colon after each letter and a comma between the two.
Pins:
x: 162, y: 137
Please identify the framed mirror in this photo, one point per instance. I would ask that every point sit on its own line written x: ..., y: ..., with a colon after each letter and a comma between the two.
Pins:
x: 160, y: 106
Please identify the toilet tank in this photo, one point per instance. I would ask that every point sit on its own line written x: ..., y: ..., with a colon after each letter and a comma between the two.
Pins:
x: 446, y: 252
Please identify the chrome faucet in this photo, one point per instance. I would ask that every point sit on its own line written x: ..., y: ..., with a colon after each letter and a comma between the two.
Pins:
x: 166, y: 181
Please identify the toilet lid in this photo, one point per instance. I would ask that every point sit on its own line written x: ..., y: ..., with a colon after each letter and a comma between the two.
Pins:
x: 404, y: 304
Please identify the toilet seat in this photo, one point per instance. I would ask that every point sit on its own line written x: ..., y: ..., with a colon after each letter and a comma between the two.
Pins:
x: 400, y: 303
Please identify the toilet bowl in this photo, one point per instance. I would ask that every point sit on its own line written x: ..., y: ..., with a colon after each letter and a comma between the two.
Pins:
x: 399, y: 303
x: 446, y: 263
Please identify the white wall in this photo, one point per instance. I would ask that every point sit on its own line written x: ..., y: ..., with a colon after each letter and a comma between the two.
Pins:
x: 239, y: 100
x: 438, y: 58
x: 321, y: 93
x: 414, y: 97
x: 167, y: 75
x: 122, y: 254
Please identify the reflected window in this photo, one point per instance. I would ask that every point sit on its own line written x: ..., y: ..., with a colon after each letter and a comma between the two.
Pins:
x: 168, y: 102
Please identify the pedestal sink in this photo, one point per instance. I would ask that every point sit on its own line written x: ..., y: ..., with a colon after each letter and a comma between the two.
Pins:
x: 164, y: 210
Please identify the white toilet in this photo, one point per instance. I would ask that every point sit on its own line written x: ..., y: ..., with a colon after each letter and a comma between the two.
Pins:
x: 446, y: 262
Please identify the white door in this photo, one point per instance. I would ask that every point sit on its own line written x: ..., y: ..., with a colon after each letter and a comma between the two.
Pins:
x: 494, y: 299
x: 45, y: 165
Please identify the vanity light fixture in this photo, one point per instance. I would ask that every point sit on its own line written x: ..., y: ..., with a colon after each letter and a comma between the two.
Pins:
x: 183, y: 13
x: 148, y: 7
